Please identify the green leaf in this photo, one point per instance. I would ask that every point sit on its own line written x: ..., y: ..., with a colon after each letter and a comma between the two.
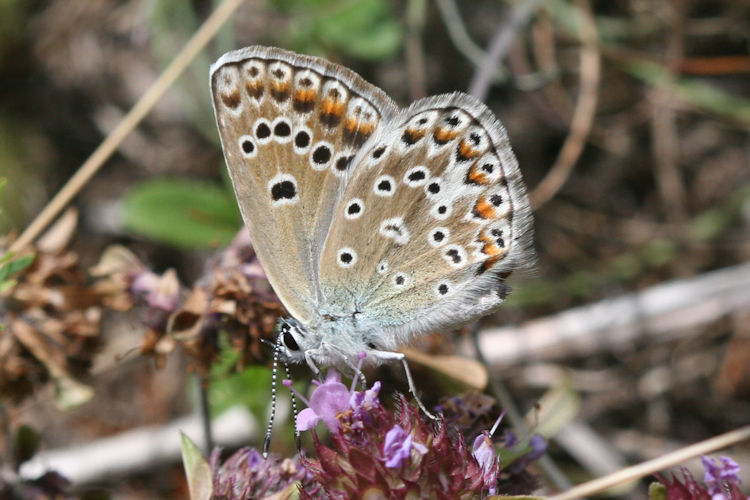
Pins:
x: 251, y: 388
x: 692, y: 90
x: 558, y: 407
x: 228, y: 388
x: 182, y: 212
x: 9, y: 266
x: 714, y: 221
x: 197, y: 470
x: 364, y: 29
x: 25, y: 444
x: 170, y: 24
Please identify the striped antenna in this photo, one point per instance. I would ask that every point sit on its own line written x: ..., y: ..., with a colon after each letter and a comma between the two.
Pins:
x: 297, y: 441
x: 267, y: 441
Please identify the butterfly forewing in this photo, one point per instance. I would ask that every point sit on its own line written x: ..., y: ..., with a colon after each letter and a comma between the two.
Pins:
x: 290, y: 128
x: 432, y: 220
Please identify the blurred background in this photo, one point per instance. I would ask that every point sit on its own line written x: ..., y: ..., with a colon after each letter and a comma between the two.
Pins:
x: 630, y: 121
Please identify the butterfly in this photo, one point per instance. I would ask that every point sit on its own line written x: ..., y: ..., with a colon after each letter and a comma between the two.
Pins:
x: 375, y: 225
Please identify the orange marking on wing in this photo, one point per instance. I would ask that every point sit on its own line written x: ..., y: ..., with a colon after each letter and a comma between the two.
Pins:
x: 254, y: 88
x: 490, y: 262
x: 367, y: 128
x: 491, y: 249
x: 415, y: 134
x: 280, y: 87
x: 445, y: 135
x: 490, y: 246
x: 231, y: 100
x: 465, y: 150
x: 477, y: 176
x: 484, y: 208
x: 331, y: 107
x: 353, y: 125
x: 304, y: 95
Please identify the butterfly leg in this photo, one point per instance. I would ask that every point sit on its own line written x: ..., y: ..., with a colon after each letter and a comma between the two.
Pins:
x: 401, y: 357
x: 311, y: 363
x: 356, y: 372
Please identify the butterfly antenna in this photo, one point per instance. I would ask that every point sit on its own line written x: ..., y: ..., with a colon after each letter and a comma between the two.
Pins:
x: 267, y: 441
x: 297, y: 441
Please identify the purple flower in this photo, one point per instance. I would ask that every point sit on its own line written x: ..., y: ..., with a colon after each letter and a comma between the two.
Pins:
x: 537, y: 447
x: 365, y: 400
x: 509, y: 438
x: 246, y: 474
x: 721, y: 482
x: 327, y: 401
x: 718, y: 476
x: 398, y: 446
x: 484, y: 452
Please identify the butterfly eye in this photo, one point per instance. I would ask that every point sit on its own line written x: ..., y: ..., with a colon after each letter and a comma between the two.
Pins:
x: 289, y: 341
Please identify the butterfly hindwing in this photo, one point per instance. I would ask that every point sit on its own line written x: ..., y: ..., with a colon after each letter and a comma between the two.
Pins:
x: 432, y: 220
x: 290, y: 128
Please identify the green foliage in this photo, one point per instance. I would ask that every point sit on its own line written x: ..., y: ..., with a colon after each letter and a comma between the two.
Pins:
x: 693, y: 91
x: 10, y: 266
x: 171, y: 23
x: 25, y: 444
x: 714, y: 221
x: 181, y: 212
x: 365, y: 29
x: 229, y: 387
x: 14, y: 16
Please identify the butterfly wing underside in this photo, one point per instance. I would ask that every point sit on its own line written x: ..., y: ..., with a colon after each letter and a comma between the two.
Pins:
x: 290, y: 127
x: 433, y: 219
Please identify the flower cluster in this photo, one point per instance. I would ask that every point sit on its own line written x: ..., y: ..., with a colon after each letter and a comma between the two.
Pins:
x: 246, y: 474
x: 233, y: 296
x: 379, y: 453
x: 721, y: 482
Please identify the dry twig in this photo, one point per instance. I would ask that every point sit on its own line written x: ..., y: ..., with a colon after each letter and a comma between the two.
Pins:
x: 583, y: 115
x: 137, y: 113
x: 499, y: 47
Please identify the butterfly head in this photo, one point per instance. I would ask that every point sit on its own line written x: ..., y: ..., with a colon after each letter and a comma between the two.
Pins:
x: 330, y: 343
x: 294, y: 340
